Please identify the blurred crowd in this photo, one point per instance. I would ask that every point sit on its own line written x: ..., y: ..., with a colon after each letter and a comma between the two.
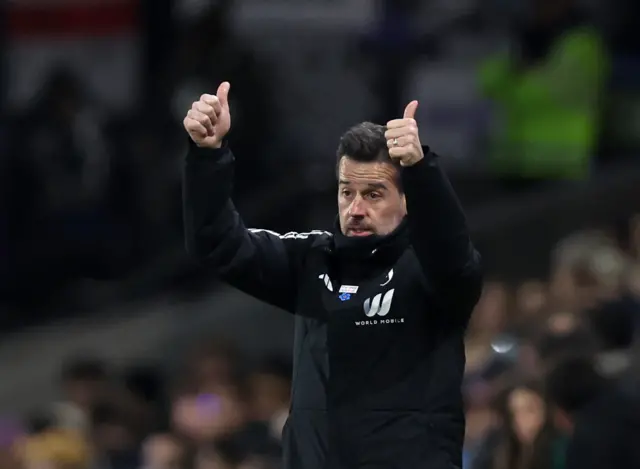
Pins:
x: 216, y: 411
x: 552, y: 364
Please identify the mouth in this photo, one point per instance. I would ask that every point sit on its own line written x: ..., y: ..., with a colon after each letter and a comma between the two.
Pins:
x: 357, y: 232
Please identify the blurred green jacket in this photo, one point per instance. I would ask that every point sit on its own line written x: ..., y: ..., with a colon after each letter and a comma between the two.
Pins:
x: 549, y: 112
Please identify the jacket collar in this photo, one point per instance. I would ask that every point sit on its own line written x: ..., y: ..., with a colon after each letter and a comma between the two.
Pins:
x: 370, y: 247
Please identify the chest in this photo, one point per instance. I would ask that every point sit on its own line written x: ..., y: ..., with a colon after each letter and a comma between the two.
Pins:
x: 386, y: 302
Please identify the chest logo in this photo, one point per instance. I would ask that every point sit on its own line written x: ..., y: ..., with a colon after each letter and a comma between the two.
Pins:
x: 387, y: 278
x: 327, y: 281
x: 380, y: 305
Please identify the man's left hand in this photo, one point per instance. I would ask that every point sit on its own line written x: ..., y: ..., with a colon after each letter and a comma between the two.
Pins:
x: 403, y: 138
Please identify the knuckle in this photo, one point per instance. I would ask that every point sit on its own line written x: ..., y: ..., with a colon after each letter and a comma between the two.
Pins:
x: 210, y: 101
x: 202, y: 107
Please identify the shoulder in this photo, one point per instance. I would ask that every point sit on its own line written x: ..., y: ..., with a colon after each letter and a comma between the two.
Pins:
x: 308, y: 238
x: 312, y: 235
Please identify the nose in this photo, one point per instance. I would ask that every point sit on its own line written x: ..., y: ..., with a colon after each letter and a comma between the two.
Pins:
x: 357, y: 208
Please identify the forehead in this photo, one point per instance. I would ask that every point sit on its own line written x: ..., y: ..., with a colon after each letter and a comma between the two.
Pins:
x: 523, y: 397
x: 364, y: 173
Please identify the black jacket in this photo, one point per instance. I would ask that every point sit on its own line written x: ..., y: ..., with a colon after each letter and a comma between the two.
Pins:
x: 377, y: 372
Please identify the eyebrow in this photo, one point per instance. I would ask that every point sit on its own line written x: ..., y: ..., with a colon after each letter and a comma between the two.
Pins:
x: 371, y: 186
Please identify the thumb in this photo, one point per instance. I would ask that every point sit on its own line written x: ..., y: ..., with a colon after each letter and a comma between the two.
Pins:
x: 410, y: 110
x: 223, y: 93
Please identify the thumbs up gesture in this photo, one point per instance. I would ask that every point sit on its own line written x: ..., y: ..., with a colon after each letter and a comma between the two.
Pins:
x: 209, y: 120
x: 403, y: 138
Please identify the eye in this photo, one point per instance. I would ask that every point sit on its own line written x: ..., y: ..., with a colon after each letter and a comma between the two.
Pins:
x: 375, y: 195
x: 345, y: 192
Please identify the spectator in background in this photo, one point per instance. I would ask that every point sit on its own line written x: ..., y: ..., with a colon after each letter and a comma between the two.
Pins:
x: 528, y: 438
x: 210, y: 363
x: 115, y: 443
x: 587, y: 268
x: 614, y: 324
x: 163, y: 451
x: 603, y: 417
x: 143, y: 397
x: 85, y: 385
x: 548, y: 89
x: 531, y: 299
x: 61, y: 157
x: 271, y: 390
x: 54, y: 449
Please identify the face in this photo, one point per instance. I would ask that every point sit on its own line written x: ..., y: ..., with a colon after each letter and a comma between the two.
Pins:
x: 84, y: 393
x: 531, y: 298
x: 207, y: 416
x: 369, y: 201
x: 527, y: 411
x: 162, y: 452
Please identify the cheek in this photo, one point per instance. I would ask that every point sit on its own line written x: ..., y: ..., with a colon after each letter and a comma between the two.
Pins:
x: 389, y: 213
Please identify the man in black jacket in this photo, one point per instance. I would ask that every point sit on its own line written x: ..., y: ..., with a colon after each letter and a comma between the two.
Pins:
x: 380, y: 304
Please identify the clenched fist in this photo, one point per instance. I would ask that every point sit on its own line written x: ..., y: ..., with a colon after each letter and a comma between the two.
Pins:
x: 209, y: 120
x: 403, y: 138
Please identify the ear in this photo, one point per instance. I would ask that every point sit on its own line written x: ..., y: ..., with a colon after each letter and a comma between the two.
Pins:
x: 404, y: 203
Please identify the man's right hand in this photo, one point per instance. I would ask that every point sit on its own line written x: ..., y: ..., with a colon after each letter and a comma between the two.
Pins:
x: 209, y: 120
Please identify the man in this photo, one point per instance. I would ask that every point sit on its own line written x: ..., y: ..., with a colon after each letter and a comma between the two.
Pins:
x: 381, y: 304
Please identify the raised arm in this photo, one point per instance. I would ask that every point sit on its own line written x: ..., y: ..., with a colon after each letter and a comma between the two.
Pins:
x: 438, y: 227
x: 261, y: 263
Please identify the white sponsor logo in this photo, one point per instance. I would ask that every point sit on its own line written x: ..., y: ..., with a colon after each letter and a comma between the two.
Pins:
x: 388, y: 278
x: 327, y: 281
x: 380, y: 305
x: 375, y: 322
x: 348, y: 289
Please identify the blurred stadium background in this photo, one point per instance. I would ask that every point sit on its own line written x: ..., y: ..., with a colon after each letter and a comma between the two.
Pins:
x: 118, y: 353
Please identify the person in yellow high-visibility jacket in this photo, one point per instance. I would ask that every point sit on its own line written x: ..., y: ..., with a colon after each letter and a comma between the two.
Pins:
x: 548, y: 96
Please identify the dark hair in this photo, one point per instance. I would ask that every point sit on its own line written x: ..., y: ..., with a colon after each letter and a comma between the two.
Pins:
x: 554, y: 347
x: 573, y: 383
x: 509, y: 450
x: 229, y: 450
x: 613, y: 323
x: 366, y: 143
x: 40, y: 421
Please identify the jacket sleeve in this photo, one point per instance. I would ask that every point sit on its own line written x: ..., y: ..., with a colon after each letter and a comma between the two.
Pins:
x: 260, y: 263
x: 440, y: 237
